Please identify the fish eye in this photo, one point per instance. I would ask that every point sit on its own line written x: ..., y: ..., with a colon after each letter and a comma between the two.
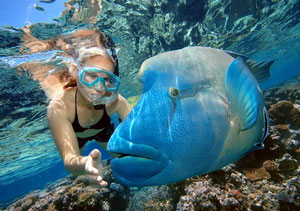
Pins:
x: 174, y: 92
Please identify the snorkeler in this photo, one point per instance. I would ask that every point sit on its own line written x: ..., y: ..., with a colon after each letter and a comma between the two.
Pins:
x: 82, y: 112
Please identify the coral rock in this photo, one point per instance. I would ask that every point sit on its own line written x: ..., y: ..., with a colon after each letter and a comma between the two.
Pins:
x: 285, y: 112
x: 287, y: 163
x: 257, y: 174
x: 270, y: 166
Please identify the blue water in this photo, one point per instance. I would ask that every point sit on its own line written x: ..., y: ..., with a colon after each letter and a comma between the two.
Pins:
x: 283, y: 72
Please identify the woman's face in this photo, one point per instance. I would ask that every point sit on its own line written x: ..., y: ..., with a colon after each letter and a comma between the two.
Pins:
x: 102, y: 63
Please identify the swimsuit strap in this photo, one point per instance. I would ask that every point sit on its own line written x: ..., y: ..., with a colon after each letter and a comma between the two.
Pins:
x: 102, y: 123
x: 76, y: 126
x: 76, y: 116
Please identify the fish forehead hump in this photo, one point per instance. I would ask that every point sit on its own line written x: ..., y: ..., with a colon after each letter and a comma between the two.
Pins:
x: 193, y: 64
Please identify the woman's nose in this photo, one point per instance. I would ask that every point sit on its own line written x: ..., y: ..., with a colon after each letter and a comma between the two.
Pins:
x: 100, y: 93
x: 99, y: 87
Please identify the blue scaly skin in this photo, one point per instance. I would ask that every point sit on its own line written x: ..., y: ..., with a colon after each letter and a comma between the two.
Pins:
x: 200, y: 110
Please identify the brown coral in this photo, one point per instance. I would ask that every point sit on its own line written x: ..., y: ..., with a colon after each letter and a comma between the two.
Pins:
x: 270, y: 166
x: 236, y: 194
x: 257, y: 174
x: 284, y: 130
x: 285, y: 112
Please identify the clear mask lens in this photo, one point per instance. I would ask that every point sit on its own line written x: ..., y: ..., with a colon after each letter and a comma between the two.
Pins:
x: 91, y: 77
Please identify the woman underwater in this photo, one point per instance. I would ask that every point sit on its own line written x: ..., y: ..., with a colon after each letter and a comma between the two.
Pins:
x: 82, y: 112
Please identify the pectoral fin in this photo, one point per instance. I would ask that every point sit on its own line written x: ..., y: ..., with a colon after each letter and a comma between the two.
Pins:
x: 243, y: 93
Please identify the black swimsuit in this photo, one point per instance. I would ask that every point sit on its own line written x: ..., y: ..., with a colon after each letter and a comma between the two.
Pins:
x: 104, y: 123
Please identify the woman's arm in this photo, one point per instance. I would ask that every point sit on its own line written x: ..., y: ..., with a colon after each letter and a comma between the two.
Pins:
x: 64, y: 137
x: 67, y: 145
x: 121, y: 106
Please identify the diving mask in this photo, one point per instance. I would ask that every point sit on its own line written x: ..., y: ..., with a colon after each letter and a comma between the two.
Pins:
x: 100, y: 80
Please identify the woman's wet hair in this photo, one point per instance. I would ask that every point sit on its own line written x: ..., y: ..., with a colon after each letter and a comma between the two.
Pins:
x: 112, y: 46
x: 88, y: 39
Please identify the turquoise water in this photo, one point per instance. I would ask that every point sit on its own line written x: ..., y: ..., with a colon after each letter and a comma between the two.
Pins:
x: 28, y: 156
x: 23, y: 128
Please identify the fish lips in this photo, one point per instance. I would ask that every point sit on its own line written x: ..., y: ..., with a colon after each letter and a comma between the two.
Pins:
x: 138, y: 163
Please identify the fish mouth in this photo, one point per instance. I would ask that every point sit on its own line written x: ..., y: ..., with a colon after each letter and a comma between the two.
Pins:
x: 137, y: 162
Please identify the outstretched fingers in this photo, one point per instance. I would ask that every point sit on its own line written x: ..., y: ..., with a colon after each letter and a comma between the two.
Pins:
x: 89, y: 167
x: 93, y: 168
x: 92, y: 163
x: 95, y: 154
x: 97, y: 180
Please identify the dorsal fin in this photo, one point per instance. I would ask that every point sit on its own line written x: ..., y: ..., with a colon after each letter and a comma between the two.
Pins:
x: 261, y: 70
x: 236, y: 55
x: 243, y: 94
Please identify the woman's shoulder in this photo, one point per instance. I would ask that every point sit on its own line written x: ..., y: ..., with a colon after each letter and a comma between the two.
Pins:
x: 119, y: 105
x: 63, y: 103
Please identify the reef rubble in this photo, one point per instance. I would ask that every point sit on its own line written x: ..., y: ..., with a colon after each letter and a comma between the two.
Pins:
x: 265, y: 179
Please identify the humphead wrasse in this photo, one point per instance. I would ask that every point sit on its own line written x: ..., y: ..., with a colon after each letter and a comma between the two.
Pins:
x: 200, y: 109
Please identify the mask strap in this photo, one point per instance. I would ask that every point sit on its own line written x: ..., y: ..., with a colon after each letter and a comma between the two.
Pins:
x: 79, y: 68
x: 99, y: 107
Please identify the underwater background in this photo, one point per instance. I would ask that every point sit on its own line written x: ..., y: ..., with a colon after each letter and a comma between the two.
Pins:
x: 31, y: 171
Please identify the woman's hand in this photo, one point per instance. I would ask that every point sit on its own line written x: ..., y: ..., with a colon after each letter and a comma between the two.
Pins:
x: 93, y: 168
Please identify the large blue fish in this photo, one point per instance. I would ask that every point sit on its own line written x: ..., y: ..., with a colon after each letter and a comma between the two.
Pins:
x: 200, y: 109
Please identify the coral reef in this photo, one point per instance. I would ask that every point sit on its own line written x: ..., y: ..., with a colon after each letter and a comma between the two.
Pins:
x: 75, y: 193
x: 265, y: 179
